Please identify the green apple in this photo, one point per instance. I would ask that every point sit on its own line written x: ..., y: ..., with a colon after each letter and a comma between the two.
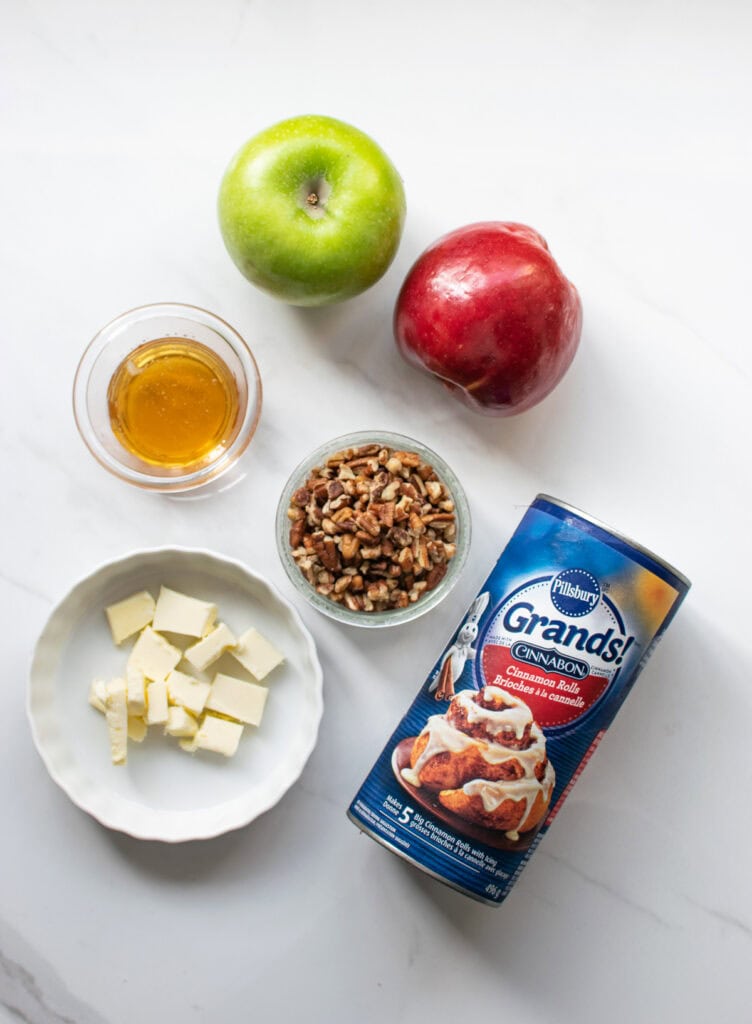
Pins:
x: 312, y: 210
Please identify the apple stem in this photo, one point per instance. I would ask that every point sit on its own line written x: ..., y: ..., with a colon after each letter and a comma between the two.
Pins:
x: 313, y: 196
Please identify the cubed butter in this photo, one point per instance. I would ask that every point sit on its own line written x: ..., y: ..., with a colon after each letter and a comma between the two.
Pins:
x: 178, y: 613
x: 206, y: 651
x: 217, y: 735
x: 180, y: 723
x: 189, y: 692
x: 116, y: 713
x: 154, y: 655
x: 237, y: 699
x: 135, y: 682
x: 129, y: 616
x: 156, y: 703
x: 98, y: 695
x: 136, y: 728
x: 255, y: 653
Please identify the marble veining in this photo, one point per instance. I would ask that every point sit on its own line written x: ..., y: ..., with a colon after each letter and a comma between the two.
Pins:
x: 31, y: 991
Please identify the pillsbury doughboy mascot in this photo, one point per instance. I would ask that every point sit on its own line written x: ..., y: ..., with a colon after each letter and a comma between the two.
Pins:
x: 461, y: 651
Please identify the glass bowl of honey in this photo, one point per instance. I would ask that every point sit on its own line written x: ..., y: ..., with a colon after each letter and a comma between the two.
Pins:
x: 167, y: 397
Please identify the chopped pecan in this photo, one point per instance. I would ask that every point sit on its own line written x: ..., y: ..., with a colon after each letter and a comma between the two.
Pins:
x: 420, y: 553
x: 390, y: 492
x: 327, y: 552
x: 418, y: 484
x: 405, y: 560
x: 368, y: 522
x: 436, y: 575
x: 408, y: 458
x: 349, y: 547
x: 400, y: 537
x: 417, y: 525
x: 369, y: 553
x: 296, y: 533
x: 372, y: 528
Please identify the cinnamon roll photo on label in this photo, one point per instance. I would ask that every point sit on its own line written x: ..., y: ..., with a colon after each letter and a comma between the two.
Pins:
x: 518, y: 700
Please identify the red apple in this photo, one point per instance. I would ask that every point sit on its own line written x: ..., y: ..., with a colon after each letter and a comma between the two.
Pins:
x: 487, y: 310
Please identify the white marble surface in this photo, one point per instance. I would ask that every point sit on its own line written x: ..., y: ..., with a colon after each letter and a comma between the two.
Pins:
x: 618, y: 131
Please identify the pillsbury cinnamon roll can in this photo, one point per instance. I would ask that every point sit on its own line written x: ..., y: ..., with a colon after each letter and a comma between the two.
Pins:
x: 518, y: 700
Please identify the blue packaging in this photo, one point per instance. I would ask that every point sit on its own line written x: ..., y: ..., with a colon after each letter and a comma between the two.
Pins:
x: 518, y: 700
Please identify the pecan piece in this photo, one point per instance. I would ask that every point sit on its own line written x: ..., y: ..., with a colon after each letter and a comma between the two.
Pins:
x: 408, y: 458
x: 327, y: 552
x: 367, y: 522
x: 369, y: 553
x: 405, y: 560
x: 296, y: 533
x: 433, y: 487
x: 417, y: 525
x: 349, y: 546
x: 436, y: 575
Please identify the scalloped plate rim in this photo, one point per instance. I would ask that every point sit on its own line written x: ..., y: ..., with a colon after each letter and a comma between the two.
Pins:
x: 297, y: 758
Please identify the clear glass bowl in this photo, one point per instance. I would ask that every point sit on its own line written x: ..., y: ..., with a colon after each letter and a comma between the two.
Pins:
x: 105, y: 354
x: 396, y: 616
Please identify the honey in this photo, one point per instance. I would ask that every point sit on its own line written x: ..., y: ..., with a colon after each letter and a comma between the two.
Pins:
x: 173, y: 403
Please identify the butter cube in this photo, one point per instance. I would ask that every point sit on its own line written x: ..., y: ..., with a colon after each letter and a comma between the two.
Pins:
x: 156, y: 703
x: 217, y: 735
x: 189, y: 692
x: 180, y: 723
x: 237, y: 699
x: 116, y: 713
x: 178, y: 613
x: 98, y: 695
x: 206, y: 651
x: 129, y: 616
x: 136, y: 729
x: 135, y: 682
x: 154, y: 656
x: 255, y: 653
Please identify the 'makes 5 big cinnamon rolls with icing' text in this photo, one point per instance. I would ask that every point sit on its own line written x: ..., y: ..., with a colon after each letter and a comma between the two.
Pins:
x: 518, y: 700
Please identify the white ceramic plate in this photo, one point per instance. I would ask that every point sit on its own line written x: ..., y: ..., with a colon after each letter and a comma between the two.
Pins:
x: 163, y: 793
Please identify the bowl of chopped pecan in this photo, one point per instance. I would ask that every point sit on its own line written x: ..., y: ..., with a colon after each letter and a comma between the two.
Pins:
x: 373, y: 528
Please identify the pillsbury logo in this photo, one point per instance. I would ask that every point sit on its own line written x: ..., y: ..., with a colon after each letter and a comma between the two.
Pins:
x: 575, y: 592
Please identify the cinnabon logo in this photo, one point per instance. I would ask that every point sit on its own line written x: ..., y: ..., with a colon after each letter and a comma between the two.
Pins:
x: 550, y: 660
x: 575, y: 592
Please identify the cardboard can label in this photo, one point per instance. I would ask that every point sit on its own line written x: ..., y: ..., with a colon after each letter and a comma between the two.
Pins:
x: 518, y: 700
